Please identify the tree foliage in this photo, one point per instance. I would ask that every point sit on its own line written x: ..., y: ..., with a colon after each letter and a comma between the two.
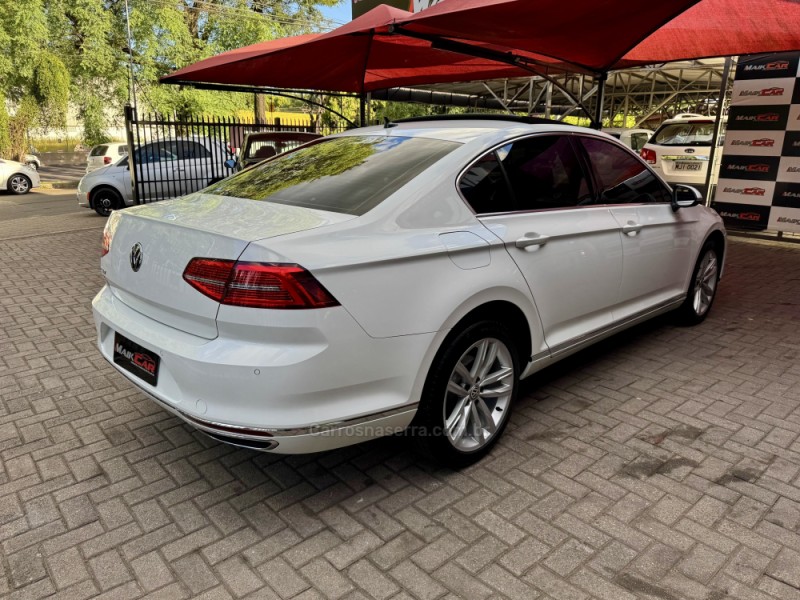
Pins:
x: 55, y: 52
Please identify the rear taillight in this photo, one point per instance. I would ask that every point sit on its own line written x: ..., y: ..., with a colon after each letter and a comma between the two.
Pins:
x: 108, y: 232
x: 257, y: 285
x: 106, y: 160
x: 648, y: 155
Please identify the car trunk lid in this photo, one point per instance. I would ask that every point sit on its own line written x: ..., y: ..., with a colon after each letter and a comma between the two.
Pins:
x: 152, y: 245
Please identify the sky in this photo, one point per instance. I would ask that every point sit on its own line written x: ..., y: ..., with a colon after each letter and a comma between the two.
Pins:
x: 341, y: 13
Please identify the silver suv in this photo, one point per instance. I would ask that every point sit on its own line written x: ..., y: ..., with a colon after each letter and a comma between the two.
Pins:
x: 164, y: 169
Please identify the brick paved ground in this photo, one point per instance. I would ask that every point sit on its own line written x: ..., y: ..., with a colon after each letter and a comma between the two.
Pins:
x: 662, y: 464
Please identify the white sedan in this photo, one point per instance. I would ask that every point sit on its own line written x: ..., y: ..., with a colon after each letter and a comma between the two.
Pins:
x: 397, y: 278
x: 17, y: 178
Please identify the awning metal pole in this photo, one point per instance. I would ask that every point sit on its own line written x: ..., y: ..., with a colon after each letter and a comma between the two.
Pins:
x: 601, y: 96
x: 723, y: 90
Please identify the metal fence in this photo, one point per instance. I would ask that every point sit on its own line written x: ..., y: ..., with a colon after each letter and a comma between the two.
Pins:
x: 169, y: 156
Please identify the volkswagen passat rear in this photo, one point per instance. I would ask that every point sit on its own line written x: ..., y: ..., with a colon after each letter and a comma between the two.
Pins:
x: 392, y: 276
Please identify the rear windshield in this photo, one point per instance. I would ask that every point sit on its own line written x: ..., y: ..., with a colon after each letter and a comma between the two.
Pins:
x: 99, y: 150
x: 685, y: 134
x: 349, y: 175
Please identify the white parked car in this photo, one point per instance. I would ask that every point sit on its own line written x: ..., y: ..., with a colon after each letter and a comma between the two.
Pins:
x: 17, y: 178
x: 680, y: 148
x: 387, y: 277
x: 33, y: 161
x: 166, y: 169
x: 633, y: 138
x: 103, y: 155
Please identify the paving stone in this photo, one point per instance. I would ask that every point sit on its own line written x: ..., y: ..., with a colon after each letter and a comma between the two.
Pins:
x: 664, y: 464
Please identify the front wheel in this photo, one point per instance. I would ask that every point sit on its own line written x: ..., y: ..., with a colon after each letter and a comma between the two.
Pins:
x: 467, y: 398
x: 702, y: 287
x: 105, y: 200
x: 19, y: 184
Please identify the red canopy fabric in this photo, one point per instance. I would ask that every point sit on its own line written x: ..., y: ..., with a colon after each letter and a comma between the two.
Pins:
x: 592, y: 36
x: 358, y: 57
x: 602, y: 35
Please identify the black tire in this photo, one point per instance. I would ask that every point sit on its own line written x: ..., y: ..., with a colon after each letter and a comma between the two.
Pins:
x: 477, y: 406
x: 105, y: 200
x: 702, y: 287
x: 19, y: 184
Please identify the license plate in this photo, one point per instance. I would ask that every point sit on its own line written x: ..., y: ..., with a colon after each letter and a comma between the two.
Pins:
x: 687, y: 166
x: 135, y: 359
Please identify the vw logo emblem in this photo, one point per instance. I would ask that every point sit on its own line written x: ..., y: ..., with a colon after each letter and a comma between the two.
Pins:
x: 136, y: 257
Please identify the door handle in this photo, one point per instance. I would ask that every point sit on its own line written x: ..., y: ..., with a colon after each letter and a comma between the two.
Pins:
x: 529, y: 240
x: 631, y: 228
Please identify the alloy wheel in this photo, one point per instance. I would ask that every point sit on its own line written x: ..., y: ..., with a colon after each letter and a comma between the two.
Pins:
x: 705, y: 283
x: 19, y: 184
x: 478, y: 394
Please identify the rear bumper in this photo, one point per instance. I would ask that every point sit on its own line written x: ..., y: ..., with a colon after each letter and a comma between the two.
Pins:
x: 303, y: 388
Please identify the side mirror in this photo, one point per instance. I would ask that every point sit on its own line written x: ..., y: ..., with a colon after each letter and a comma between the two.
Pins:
x: 230, y: 163
x: 685, y: 196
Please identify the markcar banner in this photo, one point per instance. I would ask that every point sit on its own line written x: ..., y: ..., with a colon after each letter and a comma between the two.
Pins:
x: 759, y: 176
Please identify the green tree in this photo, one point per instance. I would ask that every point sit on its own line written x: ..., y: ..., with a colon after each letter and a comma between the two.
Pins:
x: 59, y: 52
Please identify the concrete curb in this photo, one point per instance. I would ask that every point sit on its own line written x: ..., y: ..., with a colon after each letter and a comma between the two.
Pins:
x: 58, y: 185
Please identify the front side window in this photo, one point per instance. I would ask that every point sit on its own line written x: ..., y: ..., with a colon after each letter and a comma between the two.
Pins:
x: 156, y: 152
x: 189, y: 150
x: 351, y: 174
x: 621, y: 177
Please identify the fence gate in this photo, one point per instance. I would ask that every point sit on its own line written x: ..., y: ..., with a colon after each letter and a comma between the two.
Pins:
x: 169, y: 157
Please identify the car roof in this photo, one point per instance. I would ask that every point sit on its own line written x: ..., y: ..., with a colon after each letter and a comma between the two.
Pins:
x: 467, y: 128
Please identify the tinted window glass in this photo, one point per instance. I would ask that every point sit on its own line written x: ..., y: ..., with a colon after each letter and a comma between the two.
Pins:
x: 99, y: 150
x: 188, y: 150
x: 123, y: 150
x: 621, y: 177
x: 484, y: 186
x: 695, y: 133
x: 638, y: 140
x: 544, y: 172
x: 158, y: 152
x: 350, y: 174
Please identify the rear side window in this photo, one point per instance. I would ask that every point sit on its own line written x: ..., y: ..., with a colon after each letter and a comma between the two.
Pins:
x: 695, y: 133
x: 621, y: 178
x: 536, y: 173
x: 544, y: 172
x: 349, y: 175
x: 122, y: 150
x: 484, y: 186
x: 99, y: 150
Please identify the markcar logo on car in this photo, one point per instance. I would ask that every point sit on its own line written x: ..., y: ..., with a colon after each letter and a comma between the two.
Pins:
x: 142, y: 361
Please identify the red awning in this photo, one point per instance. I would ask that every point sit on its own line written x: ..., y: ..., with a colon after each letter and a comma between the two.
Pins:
x: 357, y: 57
x: 603, y: 35
x: 591, y: 36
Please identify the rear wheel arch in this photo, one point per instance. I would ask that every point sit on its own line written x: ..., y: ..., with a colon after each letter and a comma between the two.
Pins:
x: 504, y: 312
